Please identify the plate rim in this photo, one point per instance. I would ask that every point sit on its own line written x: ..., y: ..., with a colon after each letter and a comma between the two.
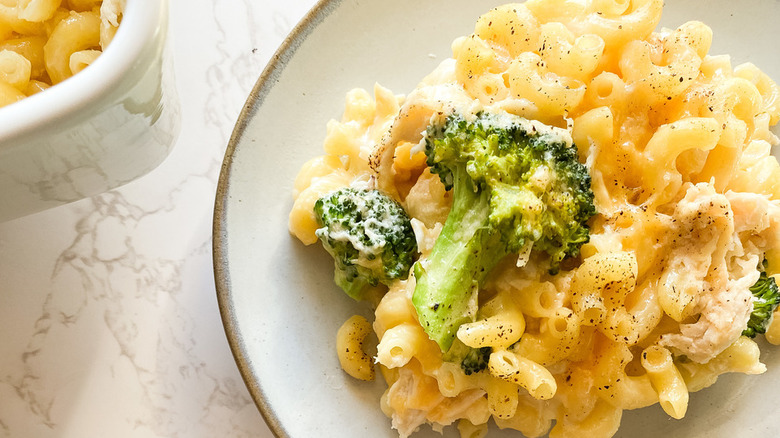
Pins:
x: 275, y: 66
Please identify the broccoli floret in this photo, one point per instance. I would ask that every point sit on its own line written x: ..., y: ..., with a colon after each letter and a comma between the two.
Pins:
x: 767, y: 298
x: 471, y: 360
x: 514, y: 183
x: 476, y: 360
x: 369, y: 236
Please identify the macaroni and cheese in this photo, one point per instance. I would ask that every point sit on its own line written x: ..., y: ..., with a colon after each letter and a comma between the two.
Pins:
x: 44, y: 42
x: 678, y: 145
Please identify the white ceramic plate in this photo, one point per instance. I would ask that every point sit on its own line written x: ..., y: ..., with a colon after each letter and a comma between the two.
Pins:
x: 279, y: 305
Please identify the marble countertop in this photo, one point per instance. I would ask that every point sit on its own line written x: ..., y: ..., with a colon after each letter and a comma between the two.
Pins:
x: 109, y: 324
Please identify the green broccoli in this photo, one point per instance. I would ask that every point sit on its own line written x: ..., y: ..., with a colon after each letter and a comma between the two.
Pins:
x: 369, y: 236
x: 514, y: 184
x: 476, y: 360
x: 471, y: 360
x: 767, y: 298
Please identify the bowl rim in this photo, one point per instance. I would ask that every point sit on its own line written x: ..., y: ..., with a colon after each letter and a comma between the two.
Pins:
x: 141, y: 24
x: 262, y: 87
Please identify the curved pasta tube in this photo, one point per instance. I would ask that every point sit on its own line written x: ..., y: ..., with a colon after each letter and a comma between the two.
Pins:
x: 14, y: 69
x: 512, y: 27
x: 30, y: 47
x: 567, y: 55
x: 600, y: 296
x: 603, y: 421
x: 11, y: 23
x: 79, y: 31
x: 529, y: 375
x: 467, y: 429
x: 37, y: 10
x: 315, y: 168
x: 664, y: 81
x: 556, y: 340
x: 477, y: 412
x: 302, y: 221
x: 359, y: 107
x: 616, y: 24
x: 399, y: 344
x: 740, y: 357
x: 532, y: 418
x: 770, y: 92
x: 9, y: 94
x: 479, y: 69
x: 576, y: 393
x: 85, y: 5
x: 742, y: 99
x: 502, y: 397
x: 488, y: 87
x: 34, y: 87
x: 757, y: 170
x: 666, y: 144
x: 635, y: 320
x: 552, y: 95
x: 503, y: 326
x: 344, y: 140
x: 538, y: 300
x: 593, y: 131
x: 601, y: 284
x: 616, y: 30
x: 607, y: 90
x: 349, y: 346
x: 452, y: 380
x: 643, y: 18
x: 611, y: 381
x: 81, y: 60
x: 666, y: 380
x: 395, y: 308
x: 694, y: 34
x: 610, y: 8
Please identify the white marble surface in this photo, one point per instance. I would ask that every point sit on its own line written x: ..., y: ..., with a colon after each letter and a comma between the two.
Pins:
x: 109, y: 324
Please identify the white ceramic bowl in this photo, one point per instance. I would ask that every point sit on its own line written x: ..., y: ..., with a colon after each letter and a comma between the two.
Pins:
x: 103, y: 127
x: 279, y: 304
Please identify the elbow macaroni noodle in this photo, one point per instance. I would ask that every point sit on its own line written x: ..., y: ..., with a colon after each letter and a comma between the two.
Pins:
x: 44, y: 42
x: 677, y: 142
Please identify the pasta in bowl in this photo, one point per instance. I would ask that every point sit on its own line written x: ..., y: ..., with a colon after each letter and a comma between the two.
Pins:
x: 80, y: 117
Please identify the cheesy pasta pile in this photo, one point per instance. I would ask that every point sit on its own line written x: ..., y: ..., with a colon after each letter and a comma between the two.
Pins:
x: 687, y: 193
x: 44, y: 42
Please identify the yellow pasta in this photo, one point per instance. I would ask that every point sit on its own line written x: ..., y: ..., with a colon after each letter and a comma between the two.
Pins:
x: 80, y: 60
x: 54, y: 39
x: 14, y: 69
x: 667, y: 381
x: 657, y: 304
x: 37, y: 10
x: 502, y: 396
x: 9, y: 94
x: 503, y: 326
x: 400, y: 344
x: 79, y: 31
x: 529, y: 375
x: 349, y: 345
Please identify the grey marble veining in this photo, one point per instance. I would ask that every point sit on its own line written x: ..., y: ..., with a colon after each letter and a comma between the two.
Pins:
x: 109, y: 324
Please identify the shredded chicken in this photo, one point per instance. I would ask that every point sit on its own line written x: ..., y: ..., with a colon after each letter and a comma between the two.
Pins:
x: 715, y: 252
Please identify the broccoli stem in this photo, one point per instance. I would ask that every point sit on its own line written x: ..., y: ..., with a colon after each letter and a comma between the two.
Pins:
x: 354, y: 286
x: 464, y: 253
